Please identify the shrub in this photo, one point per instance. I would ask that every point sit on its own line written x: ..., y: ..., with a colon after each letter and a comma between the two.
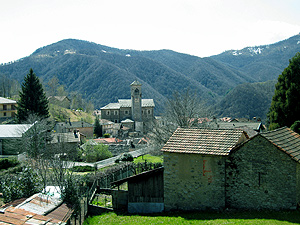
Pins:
x: 94, y: 153
x: 8, y: 162
x: 82, y: 168
x: 126, y: 157
x: 106, y: 135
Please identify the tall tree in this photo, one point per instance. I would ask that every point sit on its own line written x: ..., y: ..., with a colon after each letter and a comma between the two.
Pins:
x: 285, y: 106
x: 32, y: 99
x: 97, y: 128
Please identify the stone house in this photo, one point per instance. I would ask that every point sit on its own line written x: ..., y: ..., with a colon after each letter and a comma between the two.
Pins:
x: 264, y: 172
x: 194, y: 162
x: 217, y: 169
x: 140, y: 111
x: 84, y: 128
x: 8, y: 108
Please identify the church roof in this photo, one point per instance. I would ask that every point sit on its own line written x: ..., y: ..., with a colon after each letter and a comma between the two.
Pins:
x: 135, y: 83
x: 126, y: 103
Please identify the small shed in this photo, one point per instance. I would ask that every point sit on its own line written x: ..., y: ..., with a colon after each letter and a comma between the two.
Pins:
x: 145, y: 191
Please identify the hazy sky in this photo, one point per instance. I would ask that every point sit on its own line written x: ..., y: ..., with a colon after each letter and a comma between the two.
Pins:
x: 196, y: 27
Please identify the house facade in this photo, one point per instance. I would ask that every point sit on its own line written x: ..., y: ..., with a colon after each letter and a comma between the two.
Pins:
x: 194, y: 167
x: 264, y: 172
x: 218, y: 169
x: 8, y: 109
x: 140, y: 111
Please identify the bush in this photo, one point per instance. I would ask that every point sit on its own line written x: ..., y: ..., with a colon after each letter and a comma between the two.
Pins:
x: 106, y: 135
x: 126, y: 157
x: 94, y: 153
x: 296, y: 126
x: 8, y: 162
x: 21, y: 185
x: 82, y: 168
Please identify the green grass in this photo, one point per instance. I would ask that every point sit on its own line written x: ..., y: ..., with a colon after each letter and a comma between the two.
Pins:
x: 149, y: 158
x: 285, y: 217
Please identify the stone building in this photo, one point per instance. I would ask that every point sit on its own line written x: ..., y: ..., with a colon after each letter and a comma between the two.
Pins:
x: 194, y: 167
x: 217, y: 169
x: 140, y: 111
x: 264, y: 172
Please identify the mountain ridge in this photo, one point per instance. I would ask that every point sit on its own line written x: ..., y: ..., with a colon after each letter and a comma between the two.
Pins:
x: 103, y: 74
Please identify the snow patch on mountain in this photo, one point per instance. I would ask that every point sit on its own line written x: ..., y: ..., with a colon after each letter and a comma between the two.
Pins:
x: 255, y: 51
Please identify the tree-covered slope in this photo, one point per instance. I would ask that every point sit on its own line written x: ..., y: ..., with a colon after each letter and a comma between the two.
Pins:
x: 247, y: 100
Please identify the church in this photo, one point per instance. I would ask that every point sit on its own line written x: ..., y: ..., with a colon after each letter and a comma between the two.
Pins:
x: 135, y: 113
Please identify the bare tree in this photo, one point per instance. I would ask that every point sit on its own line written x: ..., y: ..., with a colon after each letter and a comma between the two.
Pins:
x: 182, y: 110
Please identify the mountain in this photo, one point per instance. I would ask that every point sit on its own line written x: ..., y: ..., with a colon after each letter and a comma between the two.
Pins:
x: 247, y: 100
x: 103, y: 74
x: 263, y: 62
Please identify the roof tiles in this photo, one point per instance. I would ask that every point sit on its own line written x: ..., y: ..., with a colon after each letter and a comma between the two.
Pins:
x: 204, y: 141
x: 286, y: 140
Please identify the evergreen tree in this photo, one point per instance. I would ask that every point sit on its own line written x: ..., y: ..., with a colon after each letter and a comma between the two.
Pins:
x: 285, y: 106
x: 97, y: 128
x: 32, y: 100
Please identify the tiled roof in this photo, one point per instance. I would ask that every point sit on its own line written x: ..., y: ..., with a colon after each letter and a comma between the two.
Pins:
x: 7, y: 101
x: 126, y: 103
x: 135, y: 83
x: 112, y: 106
x: 286, y: 140
x: 204, y: 141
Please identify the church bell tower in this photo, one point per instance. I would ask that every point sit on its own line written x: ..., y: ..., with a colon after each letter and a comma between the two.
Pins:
x: 136, y: 105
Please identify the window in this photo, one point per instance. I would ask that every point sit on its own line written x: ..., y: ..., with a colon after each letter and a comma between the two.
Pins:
x: 116, y: 113
x: 4, y: 114
x: 4, y: 107
x: 149, y: 111
x: 143, y: 112
x: 13, y: 107
x: 107, y: 113
x: 126, y: 112
x: 116, y: 121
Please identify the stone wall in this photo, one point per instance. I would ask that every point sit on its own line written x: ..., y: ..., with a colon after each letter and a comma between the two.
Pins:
x: 260, y: 176
x: 193, y: 181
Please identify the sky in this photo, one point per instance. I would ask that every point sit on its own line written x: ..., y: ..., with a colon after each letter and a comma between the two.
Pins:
x: 196, y: 27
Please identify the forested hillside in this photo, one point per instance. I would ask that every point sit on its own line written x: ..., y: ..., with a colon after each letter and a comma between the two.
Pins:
x: 102, y: 74
x: 247, y: 100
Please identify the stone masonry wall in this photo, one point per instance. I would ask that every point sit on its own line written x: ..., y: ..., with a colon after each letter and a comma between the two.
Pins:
x: 193, y: 181
x: 260, y: 176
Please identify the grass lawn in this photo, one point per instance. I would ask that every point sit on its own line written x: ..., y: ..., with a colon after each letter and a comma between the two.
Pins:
x: 285, y: 217
x: 149, y: 158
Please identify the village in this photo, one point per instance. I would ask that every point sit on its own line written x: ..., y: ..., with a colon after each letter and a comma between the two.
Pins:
x: 219, y: 164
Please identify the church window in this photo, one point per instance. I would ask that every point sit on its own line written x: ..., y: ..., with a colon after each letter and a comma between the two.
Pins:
x: 149, y: 111
x: 116, y: 112
x: 107, y: 113
x: 126, y: 112
x: 136, y: 91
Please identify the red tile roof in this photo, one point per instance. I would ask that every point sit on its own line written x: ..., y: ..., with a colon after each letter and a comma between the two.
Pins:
x: 286, y: 140
x: 204, y: 141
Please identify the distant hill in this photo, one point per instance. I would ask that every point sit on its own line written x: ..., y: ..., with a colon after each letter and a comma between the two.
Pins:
x: 103, y: 74
x: 247, y: 100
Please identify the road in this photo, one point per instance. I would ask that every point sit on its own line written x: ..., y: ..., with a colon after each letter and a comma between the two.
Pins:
x: 110, y: 161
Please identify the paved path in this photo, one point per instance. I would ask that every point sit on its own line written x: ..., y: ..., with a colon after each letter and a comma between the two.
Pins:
x: 110, y: 161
